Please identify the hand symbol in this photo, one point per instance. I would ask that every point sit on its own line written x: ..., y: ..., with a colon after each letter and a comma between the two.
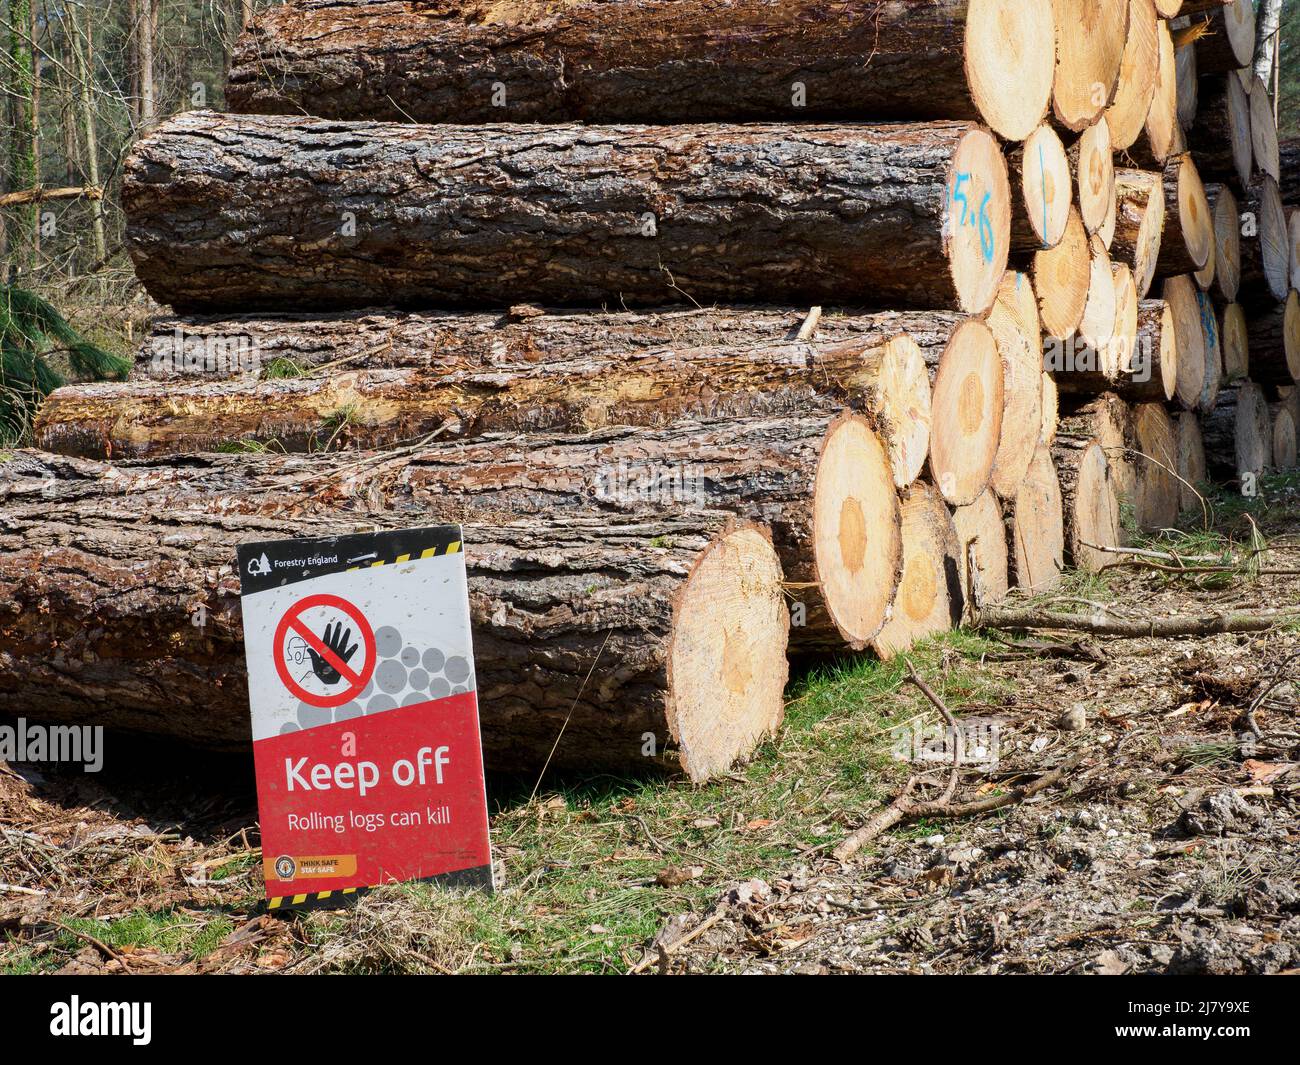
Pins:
x: 336, y: 639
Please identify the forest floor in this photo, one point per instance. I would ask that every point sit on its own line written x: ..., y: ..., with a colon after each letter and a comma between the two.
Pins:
x: 1172, y: 846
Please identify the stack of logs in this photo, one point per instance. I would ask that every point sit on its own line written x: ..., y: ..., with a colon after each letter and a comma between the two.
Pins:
x: 589, y: 278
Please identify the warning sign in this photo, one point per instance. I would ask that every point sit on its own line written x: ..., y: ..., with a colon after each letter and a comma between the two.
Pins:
x: 365, y: 714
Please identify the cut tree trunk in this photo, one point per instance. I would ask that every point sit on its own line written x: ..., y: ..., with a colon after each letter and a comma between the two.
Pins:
x: 981, y: 539
x: 1061, y: 276
x: 1040, y: 173
x: 1284, y: 436
x: 1236, y: 343
x: 596, y: 632
x: 1263, y: 131
x: 1108, y: 420
x: 967, y: 407
x: 1090, y: 36
x: 1191, y: 461
x: 1051, y: 410
x: 1097, y: 326
x: 1238, y: 434
x: 1164, y: 135
x: 272, y: 213
x: 649, y: 61
x: 1265, y: 246
x: 1016, y: 328
x: 1036, y: 527
x: 1089, y: 501
x: 1185, y: 76
x: 1187, y: 243
x: 1092, y: 158
x: 1213, y: 349
x: 1140, y: 223
x: 1128, y: 112
x: 1150, y: 374
x: 1228, y: 43
x: 1227, y: 240
x: 1156, y: 496
x: 1183, y: 298
x: 929, y: 598
x: 481, y: 385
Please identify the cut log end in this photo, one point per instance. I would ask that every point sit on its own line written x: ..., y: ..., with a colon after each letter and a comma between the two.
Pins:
x: 1091, y: 505
x: 1137, y: 76
x: 1235, y: 337
x: 1009, y: 53
x: 1194, y: 216
x: 727, y: 668
x: 967, y: 410
x: 1061, y: 278
x: 929, y: 595
x: 1181, y: 294
x: 1090, y: 37
x: 856, y: 537
x: 982, y: 538
x: 1191, y: 461
x: 1163, y: 132
x: 1045, y: 185
x: 904, y: 406
x: 979, y: 197
x: 1037, y: 527
x: 1284, y: 437
x: 1018, y: 333
x: 1156, y: 499
x: 1096, y: 175
x: 1140, y: 210
x: 1227, y: 243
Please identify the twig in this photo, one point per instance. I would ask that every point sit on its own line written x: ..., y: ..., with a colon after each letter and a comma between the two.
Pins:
x: 1210, y: 625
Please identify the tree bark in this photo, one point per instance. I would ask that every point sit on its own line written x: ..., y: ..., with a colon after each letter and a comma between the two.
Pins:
x: 1139, y: 224
x: 124, y: 610
x: 269, y: 213
x: 647, y: 61
x: 1238, y: 434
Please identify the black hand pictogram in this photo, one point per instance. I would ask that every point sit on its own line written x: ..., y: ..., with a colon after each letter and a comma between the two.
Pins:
x: 336, y: 639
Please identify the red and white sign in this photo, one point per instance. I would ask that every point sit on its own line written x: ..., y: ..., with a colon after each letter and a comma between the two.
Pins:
x: 365, y: 714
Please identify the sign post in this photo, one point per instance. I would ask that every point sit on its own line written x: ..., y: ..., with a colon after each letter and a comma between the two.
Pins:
x: 365, y: 715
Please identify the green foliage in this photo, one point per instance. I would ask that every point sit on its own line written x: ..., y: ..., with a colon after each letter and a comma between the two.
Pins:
x: 31, y: 333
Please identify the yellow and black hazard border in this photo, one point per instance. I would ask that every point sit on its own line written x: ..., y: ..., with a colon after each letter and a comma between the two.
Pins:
x: 275, y: 564
x: 479, y: 876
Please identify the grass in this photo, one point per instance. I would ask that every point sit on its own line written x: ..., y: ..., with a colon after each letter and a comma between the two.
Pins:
x: 167, y: 931
x: 593, y: 868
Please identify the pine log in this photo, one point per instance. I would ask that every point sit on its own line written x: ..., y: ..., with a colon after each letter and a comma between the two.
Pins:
x: 1293, y: 238
x: 124, y: 611
x: 1236, y: 343
x: 1187, y: 243
x: 1108, y: 420
x: 1097, y: 326
x: 1183, y: 298
x: 1263, y: 131
x: 1061, y: 277
x: 967, y: 406
x: 1164, y: 136
x: 1213, y: 349
x: 1238, y: 434
x: 1140, y: 197
x: 1155, y: 456
x: 1124, y: 337
x: 649, y: 61
x: 1128, y: 112
x: 537, y: 378
x: 1191, y: 461
x: 1089, y: 501
x: 929, y: 599
x: 1040, y: 174
x: 1275, y: 343
x: 272, y: 213
x: 1090, y: 36
x: 1220, y: 141
x: 1188, y: 90
x: 1092, y: 159
x: 1265, y: 245
x: 1036, y: 528
x: 1151, y: 372
x: 1227, y: 240
x: 1017, y: 331
x: 1051, y: 410
x: 1284, y: 436
x: 982, y: 539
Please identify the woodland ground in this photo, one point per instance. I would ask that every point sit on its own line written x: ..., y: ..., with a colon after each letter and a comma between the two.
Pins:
x: 1174, y: 846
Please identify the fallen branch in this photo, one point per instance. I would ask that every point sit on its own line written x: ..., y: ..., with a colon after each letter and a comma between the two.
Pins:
x: 39, y: 193
x: 905, y: 808
x: 1001, y: 618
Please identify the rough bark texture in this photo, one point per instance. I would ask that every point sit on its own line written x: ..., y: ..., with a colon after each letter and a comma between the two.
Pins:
x: 270, y: 213
x: 1139, y: 224
x: 464, y: 397
x: 123, y: 610
x: 1109, y: 420
x: 633, y: 61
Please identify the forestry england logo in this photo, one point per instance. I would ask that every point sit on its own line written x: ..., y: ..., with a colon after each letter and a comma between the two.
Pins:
x: 121, y: 1019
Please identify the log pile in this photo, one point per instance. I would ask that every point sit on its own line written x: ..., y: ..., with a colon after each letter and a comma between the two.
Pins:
x: 730, y: 331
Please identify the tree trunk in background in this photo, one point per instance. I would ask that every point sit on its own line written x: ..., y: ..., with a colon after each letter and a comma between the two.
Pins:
x: 133, y: 59
x: 1268, y: 21
x: 146, y: 31
x: 22, y: 134
x: 83, y: 49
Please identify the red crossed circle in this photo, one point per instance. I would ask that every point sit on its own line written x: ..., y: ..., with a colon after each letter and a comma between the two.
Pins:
x: 293, y: 620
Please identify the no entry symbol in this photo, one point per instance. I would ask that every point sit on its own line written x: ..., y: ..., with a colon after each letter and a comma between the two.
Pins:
x: 319, y: 638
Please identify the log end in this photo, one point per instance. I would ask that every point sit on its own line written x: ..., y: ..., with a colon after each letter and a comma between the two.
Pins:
x: 967, y: 410
x: 904, y: 406
x: 979, y: 220
x: 1046, y: 187
x: 981, y: 538
x: 1018, y: 332
x: 1037, y: 527
x: 1061, y: 277
x: 1010, y: 50
x: 727, y: 665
